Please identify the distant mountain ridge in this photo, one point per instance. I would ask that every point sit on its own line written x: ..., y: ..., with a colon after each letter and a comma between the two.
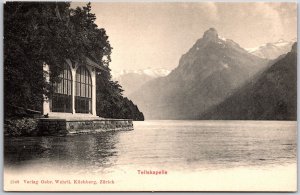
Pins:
x: 272, y: 50
x: 131, y: 80
x: 206, y: 75
x: 272, y: 95
x: 152, y: 72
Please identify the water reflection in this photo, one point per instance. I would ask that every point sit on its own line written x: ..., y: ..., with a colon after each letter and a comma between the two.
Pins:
x: 171, y: 145
x: 78, y: 151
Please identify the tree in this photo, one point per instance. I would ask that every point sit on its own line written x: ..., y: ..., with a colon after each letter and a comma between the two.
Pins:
x: 110, y: 102
x: 33, y: 34
x: 36, y: 33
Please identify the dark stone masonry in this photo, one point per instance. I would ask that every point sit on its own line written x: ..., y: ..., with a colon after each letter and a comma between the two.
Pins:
x: 50, y: 126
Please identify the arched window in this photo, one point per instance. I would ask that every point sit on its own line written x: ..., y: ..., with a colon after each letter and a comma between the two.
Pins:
x: 83, y: 96
x: 61, y: 100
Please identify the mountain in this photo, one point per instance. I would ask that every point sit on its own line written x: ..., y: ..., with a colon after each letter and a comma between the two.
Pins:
x: 206, y: 75
x: 151, y: 72
x: 272, y: 95
x: 272, y: 50
x: 131, y: 80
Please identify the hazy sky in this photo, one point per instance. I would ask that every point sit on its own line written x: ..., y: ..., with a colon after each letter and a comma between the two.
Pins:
x: 157, y: 34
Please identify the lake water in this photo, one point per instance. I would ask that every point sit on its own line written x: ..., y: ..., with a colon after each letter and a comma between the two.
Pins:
x: 174, y: 146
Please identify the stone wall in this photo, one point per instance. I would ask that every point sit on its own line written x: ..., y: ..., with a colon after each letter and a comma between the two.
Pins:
x: 49, y: 126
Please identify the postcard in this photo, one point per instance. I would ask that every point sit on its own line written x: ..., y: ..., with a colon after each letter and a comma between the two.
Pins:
x: 150, y: 96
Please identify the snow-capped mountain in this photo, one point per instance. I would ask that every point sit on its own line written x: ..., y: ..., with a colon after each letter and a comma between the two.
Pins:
x: 270, y: 95
x: 272, y: 50
x: 206, y: 75
x: 130, y: 80
x: 157, y: 72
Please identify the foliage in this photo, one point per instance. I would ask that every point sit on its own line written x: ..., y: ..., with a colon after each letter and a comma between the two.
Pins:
x: 20, y: 127
x: 50, y: 32
x: 110, y: 102
x: 33, y: 34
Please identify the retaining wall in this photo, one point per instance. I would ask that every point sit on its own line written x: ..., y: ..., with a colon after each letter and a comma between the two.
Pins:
x: 50, y: 126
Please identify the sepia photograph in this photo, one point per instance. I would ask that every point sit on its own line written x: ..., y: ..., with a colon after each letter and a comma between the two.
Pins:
x: 150, y: 96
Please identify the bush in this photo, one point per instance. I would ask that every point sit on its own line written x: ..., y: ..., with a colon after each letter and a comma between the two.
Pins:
x: 20, y: 127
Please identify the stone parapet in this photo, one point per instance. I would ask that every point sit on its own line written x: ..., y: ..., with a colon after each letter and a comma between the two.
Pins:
x: 52, y: 126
